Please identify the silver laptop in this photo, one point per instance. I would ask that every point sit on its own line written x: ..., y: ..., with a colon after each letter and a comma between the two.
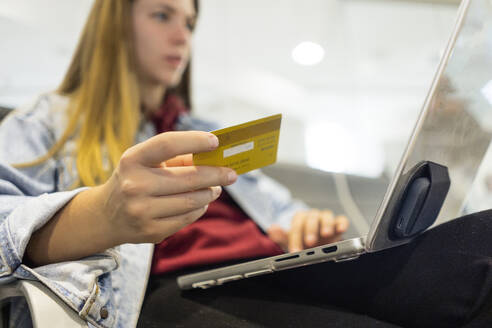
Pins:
x: 450, y: 139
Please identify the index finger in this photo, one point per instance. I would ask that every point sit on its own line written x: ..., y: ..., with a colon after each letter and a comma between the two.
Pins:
x: 311, y: 228
x: 164, y: 146
x: 295, y: 233
x: 181, y: 160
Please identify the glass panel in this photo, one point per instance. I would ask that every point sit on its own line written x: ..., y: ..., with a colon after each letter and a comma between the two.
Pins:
x: 457, y: 129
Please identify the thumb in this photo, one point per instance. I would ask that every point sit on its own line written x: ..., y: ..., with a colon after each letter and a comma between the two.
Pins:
x: 277, y: 234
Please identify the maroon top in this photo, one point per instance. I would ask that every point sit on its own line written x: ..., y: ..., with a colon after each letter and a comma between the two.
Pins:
x: 223, y: 233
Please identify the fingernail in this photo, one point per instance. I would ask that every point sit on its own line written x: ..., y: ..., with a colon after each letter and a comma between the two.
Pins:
x: 340, y: 230
x: 232, y: 176
x: 326, y: 232
x: 311, y: 239
x: 214, y: 141
x: 295, y: 249
x: 216, y: 191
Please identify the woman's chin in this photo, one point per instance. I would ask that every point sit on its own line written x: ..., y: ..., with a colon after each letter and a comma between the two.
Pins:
x: 168, y: 81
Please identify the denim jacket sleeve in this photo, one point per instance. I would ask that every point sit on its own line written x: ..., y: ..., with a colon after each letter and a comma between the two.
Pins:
x: 29, y: 197
x: 264, y: 199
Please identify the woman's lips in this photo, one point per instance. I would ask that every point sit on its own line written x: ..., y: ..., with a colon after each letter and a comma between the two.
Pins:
x: 174, y: 61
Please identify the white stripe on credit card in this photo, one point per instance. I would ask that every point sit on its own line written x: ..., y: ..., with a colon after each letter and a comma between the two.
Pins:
x: 238, y: 149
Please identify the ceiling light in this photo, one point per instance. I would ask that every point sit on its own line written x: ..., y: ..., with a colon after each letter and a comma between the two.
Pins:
x: 308, y: 53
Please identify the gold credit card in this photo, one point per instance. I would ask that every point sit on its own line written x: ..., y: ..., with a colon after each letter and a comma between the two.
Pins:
x: 244, y: 147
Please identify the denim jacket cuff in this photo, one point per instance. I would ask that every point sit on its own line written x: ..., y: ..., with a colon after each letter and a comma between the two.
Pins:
x: 90, y: 294
x: 99, y: 309
x: 17, y: 228
x: 9, y: 259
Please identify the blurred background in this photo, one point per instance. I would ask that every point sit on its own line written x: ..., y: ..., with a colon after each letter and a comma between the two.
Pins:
x: 349, y: 76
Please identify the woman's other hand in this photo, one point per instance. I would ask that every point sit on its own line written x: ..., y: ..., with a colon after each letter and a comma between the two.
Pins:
x: 309, y: 229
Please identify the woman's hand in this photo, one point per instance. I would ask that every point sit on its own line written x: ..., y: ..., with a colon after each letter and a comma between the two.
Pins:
x: 309, y: 229
x: 154, y: 192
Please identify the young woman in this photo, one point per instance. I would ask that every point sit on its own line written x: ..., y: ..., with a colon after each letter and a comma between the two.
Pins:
x: 88, y: 184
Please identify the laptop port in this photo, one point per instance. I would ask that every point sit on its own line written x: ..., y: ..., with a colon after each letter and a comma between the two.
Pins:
x: 287, y: 258
x: 331, y: 249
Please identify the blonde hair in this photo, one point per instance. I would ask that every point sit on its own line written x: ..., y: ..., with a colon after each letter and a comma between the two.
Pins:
x: 102, y: 84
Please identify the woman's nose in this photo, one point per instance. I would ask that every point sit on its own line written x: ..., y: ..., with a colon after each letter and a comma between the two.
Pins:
x: 181, y: 34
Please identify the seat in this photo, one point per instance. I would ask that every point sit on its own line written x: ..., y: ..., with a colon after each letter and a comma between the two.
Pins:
x: 46, y: 309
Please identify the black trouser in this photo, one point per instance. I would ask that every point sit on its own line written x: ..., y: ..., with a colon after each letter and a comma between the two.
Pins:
x: 441, y: 279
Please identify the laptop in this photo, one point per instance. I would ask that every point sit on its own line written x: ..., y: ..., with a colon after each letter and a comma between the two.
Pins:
x: 448, y: 143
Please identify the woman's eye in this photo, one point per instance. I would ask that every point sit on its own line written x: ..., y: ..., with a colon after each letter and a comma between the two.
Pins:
x: 161, y: 16
x: 190, y: 26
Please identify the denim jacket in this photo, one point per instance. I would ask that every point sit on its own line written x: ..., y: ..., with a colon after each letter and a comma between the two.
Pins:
x: 29, y: 197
